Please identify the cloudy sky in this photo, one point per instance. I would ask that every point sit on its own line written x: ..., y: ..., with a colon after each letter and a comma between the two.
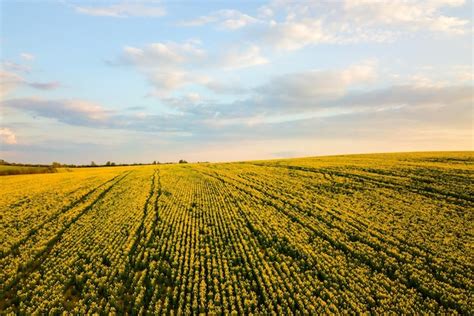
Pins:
x: 137, y: 81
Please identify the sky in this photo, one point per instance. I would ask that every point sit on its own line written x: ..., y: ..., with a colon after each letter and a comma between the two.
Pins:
x: 138, y: 81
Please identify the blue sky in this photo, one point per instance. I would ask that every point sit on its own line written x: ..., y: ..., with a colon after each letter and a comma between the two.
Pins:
x: 137, y: 81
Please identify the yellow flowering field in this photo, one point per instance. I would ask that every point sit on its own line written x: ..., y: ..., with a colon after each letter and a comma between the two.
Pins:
x: 379, y: 233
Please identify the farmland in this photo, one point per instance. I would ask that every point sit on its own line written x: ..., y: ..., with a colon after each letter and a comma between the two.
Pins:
x: 342, y: 234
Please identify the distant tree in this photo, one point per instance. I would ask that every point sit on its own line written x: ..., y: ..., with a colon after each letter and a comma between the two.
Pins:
x: 112, y: 163
x: 107, y: 163
x: 93, y: 164
x: 154, y: 162
x: 182, y: 161
x: 56, y: 164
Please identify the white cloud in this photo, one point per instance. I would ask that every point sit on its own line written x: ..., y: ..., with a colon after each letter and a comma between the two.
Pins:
x: 410, y: 96
x: 464, y: 73
x: 169, y: 66
x: 27, y: 56
x: 311, y: 23
x: 416, y: 15
x: 8, y: 82
x: 291, y: 35
x: 227, y: 19
x: 7, y: 136
x: 316, y: 85
x: 234, y: 59
x: 164, y: 54
x: 432, y: 114
x: 168, y: 80
x: 265, y: 12
x: 15, y: 67
x: 12, y: 77
x: 74, y: 112
x: 185, y: 102
x: 291, y: 25
x: 437, y: 76
x: 228, y: 87
x: 125, y: 9
x: 77, y: 112
x: 165, y: 64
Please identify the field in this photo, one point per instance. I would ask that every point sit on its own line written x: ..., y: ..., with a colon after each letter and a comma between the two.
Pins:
x: 343, y: 234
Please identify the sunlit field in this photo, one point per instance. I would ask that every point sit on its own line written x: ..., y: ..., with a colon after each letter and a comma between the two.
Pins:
x: 342, y: 234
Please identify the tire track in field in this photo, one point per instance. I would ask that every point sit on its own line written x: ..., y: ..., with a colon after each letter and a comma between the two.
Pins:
x: 264, y: 243
x: 8, y: 293
x: 141, y: 231
x: 161, y: 247
x: 226, y: 231
x: 380, y: 235
x: 408, y: 281
x: 429, y: 192
x: 358, y: 226
x: 65, y: 209
x: 136, y: 254
x: 224, y: 219
x: 147, y: 281
x: 260, y: 240
x: 109, y: 261
x: 353, y: 222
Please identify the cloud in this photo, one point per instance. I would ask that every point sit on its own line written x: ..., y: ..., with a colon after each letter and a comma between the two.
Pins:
x: 235, y: 59
x: 185, y: 102
x: 8, y: 82
x: 15, y: 67
x: 265, y: 12
x: 333, y: 93
x: 12, y: 77
x: 226, y: 19
x: 464, y: 73
x: 292, y: 35
x: 426, y: 117
x: 189, y: 135
x: 169, y: 66
x: 125, y: 10
x: 297, y: 89
x: 73, y: 112
x: 292, y: 25
x: 397, y: 117
x: 7, y: 136
x: 164, y: 54
x: 410, y: 96
x: 355, y: 21
x: 291, y: 97
x: 44, y: 85
x: 84, y: 113
x: 27, y: 56
x: 415, y: 15
x: 166, y: 64
x: 169, y: 80
x: 228, y: 87
x: 435, y: 76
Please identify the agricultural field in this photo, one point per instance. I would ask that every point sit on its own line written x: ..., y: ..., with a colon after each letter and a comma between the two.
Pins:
x: 343, y: 234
